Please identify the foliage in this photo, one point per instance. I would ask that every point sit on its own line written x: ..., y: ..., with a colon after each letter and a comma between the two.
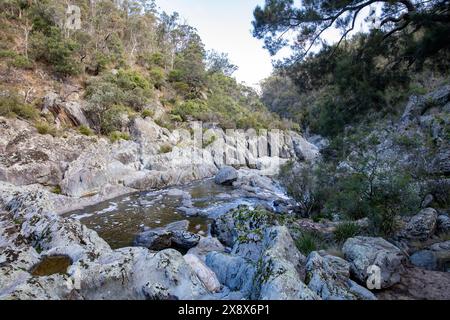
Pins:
x: 117, y: 136
x: 190, y: 109
x: 307, y: 21
x: 114, y: 119
x: 366, y: 184
x: 189, y: 69
x: 309, y: 242
x: 58, y: 52
x: 217, y: 62
x: 114, y: 95
x: 46, y: 128
x: 56, y: 190
x: 147, y: 113
x: 165, y: 149
x: 11, y: 105
x: 85, y: 130
x: 346, y: 230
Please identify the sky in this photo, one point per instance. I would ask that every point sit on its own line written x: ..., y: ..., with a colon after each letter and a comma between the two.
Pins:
x: 225, y: 25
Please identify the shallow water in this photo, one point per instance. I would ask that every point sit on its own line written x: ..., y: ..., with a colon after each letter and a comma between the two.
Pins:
x: 51, y: 265
x: 118, y: 221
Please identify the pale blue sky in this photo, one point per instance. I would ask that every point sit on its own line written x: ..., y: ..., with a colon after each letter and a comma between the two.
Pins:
x: 225, y: 25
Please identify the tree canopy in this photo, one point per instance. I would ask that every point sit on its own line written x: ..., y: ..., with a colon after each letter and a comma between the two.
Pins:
x: 283, y: 22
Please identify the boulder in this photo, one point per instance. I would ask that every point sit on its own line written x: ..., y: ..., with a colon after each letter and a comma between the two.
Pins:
x: 424, y: 259
x: 280, y: 280
x: 282, y: 275
x: 205, y: 246
x: 435, y: 257
x: 421, y: 226
x: 364, y: 252
x: 95, y: 168
x: 328, y: 277
x: 65, y: 112
x: 174, y: 235
x: 226, y: 176
x: 137, y: 273
x: 443, y: 224
x: 234, y: 272
x: 205, y: 274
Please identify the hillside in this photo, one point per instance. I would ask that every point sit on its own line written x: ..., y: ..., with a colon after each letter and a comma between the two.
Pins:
x: 145, y: 63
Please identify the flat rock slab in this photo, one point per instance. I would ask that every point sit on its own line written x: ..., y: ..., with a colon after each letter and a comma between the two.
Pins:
x: 419, y: 284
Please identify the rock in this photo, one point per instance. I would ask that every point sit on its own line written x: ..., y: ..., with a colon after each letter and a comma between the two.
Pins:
x: 319, y: 141
x: 174, y: 234
x: 243, y: 222
x: 435, y: 257
x: 54, y: 287
x: 427, y: 201
x: 234, y: 272
x: 278, y: 242
x: 156, y: 239
x: 363, y: 252
x: 328, y: 277
x: 418, y: 105
x: 421, y: 226
x: 137, y: 273
x: 65, y: 112
x: 184, y: 239
x: 224, y: 229
x: 443, y: 224
x: 205, y: 246
x: 178, y: 193
x: 226, y: 176
x: 281, y: 281
x: 190, y: 212
x: 424, y: 259
x: 282, y: 275
x: 206, y: 276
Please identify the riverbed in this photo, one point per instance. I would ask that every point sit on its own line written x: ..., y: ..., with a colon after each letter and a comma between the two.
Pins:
x: 119, y: 220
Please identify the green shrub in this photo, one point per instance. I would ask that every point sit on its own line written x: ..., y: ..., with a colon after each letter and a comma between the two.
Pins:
x: 57, y: 51
x: 209, y: 141
x: 45, y: 128
x: 11, y: 105
x: 165, y: 149
x: 147, y: 113
x: 346, y: 230
x: 57, y: 190
x: 7, y: 54
x: 309, y: 242
x: 85, y: 130
x: 129, y: 80
x: 157, y: 59
x: 176, y: 118
x: 127, y: 88
x: 407, y: 142
x: 349, y: 198
x: 113, y: 118
x: 117, y: 136
x: 190, y: 109
x: 21, y: 62
x: 157, y: 76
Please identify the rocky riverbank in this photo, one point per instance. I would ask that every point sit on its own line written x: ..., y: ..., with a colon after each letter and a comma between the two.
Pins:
x: 43, y: 176
x: 252, y: 252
